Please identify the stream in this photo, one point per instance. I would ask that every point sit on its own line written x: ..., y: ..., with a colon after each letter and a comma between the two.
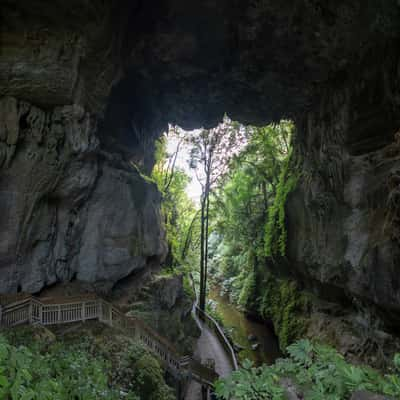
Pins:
x: 242, y: 327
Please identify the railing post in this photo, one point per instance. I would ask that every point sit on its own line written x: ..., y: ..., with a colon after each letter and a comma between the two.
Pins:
x: 30, y: 312
x: 99, y: 310
x: 204, y: 392
x: 83, y: 312
x: 41, y: 313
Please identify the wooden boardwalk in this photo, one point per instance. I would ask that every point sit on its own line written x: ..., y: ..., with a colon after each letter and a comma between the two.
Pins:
x: 64, y: 310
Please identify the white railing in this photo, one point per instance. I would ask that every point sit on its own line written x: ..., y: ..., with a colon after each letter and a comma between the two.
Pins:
x: 51, y: 311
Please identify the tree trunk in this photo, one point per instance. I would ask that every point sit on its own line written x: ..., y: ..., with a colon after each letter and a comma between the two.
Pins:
x: 202, y: 303
x: 188, y: 237
x: 206, y: 248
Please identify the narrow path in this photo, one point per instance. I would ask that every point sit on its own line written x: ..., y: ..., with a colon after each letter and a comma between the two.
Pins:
x: 208, y: 346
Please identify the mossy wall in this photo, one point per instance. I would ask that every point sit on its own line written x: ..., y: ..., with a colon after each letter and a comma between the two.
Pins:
x: 282, y: 302
x: 275, y: 227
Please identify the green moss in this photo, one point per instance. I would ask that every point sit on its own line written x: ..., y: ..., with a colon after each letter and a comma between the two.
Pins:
x: 247, y: 291
x: 284, y: 304
x: 275, y: 228
x: 188, y: 287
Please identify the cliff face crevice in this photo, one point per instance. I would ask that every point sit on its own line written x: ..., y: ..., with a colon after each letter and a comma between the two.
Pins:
x: 86, y: 87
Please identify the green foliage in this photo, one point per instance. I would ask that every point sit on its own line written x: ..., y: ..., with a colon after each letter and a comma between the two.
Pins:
x: 179, y: 212
x: 285, y: 305
x: 318, y: 371
x: 212, y: 311
x: 188, y: 286
x: 250, y: 212
x: 250, y: 383
x: 275, y: 228
x: 26, y: 374
x: 147, y: 379
x: 134, y: 368
x: 80, y: 367
x: 251, y: 198
x: 247, y: 291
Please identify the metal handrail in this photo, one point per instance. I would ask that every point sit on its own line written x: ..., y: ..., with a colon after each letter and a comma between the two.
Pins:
x: 216, y: 328
x: 220, y: 333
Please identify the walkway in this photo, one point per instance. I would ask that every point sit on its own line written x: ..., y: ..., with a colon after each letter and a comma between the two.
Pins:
x: 212, y: 344
x: 209, y: 346
x: 62, y: 310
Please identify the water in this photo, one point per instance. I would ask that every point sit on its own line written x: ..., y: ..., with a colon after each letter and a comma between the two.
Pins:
x: 242, y: 327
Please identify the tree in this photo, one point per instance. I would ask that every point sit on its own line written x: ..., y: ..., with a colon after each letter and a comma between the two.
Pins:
x: 178, y: 209
x: 211, y: 152
x: 248, y: 204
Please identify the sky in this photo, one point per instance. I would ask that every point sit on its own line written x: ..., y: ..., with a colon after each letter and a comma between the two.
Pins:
x: 193, y: 189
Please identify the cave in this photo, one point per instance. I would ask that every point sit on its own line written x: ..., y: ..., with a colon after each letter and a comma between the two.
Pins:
x: 87, y: 86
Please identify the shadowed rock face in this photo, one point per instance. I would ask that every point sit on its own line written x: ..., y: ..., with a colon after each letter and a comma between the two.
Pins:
x: 88, y: 85
x: 69, y: 210
x: 344, y: 216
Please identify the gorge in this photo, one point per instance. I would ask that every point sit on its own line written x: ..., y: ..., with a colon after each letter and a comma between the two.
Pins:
x: 88, y: 86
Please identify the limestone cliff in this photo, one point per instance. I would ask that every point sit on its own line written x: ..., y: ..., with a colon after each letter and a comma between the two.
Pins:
x: 344, y: 216
x: 86, y: 86
x: 70, y: 211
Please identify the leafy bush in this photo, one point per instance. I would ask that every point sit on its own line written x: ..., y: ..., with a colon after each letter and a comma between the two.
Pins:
x: 148, y: 379
x: 91, y: 363
x: 250, y: 383
x: 134, y: 369
x: 319, y: 372
x: 26, y: 374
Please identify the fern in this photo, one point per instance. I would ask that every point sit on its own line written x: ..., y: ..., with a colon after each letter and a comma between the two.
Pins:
x: 319, y: 370
x: 302, y: 352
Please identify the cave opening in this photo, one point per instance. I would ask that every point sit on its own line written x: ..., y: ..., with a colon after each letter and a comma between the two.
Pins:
x: 88, y: 87
x: 224, y: 189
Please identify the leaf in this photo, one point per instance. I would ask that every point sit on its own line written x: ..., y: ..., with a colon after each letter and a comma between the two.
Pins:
x: 3, y: 381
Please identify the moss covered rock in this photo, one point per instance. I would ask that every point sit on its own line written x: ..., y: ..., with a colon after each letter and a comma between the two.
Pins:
x: 286, y: 306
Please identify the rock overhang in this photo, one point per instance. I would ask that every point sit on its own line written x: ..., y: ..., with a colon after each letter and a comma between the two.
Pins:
x: 189, y: 62
x: 135, y: 66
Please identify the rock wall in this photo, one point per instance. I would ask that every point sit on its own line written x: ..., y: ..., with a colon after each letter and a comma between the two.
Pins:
x: 164, y: 303
x: 343, y: 218
x: 70, y: 210
x: 86, y: 86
